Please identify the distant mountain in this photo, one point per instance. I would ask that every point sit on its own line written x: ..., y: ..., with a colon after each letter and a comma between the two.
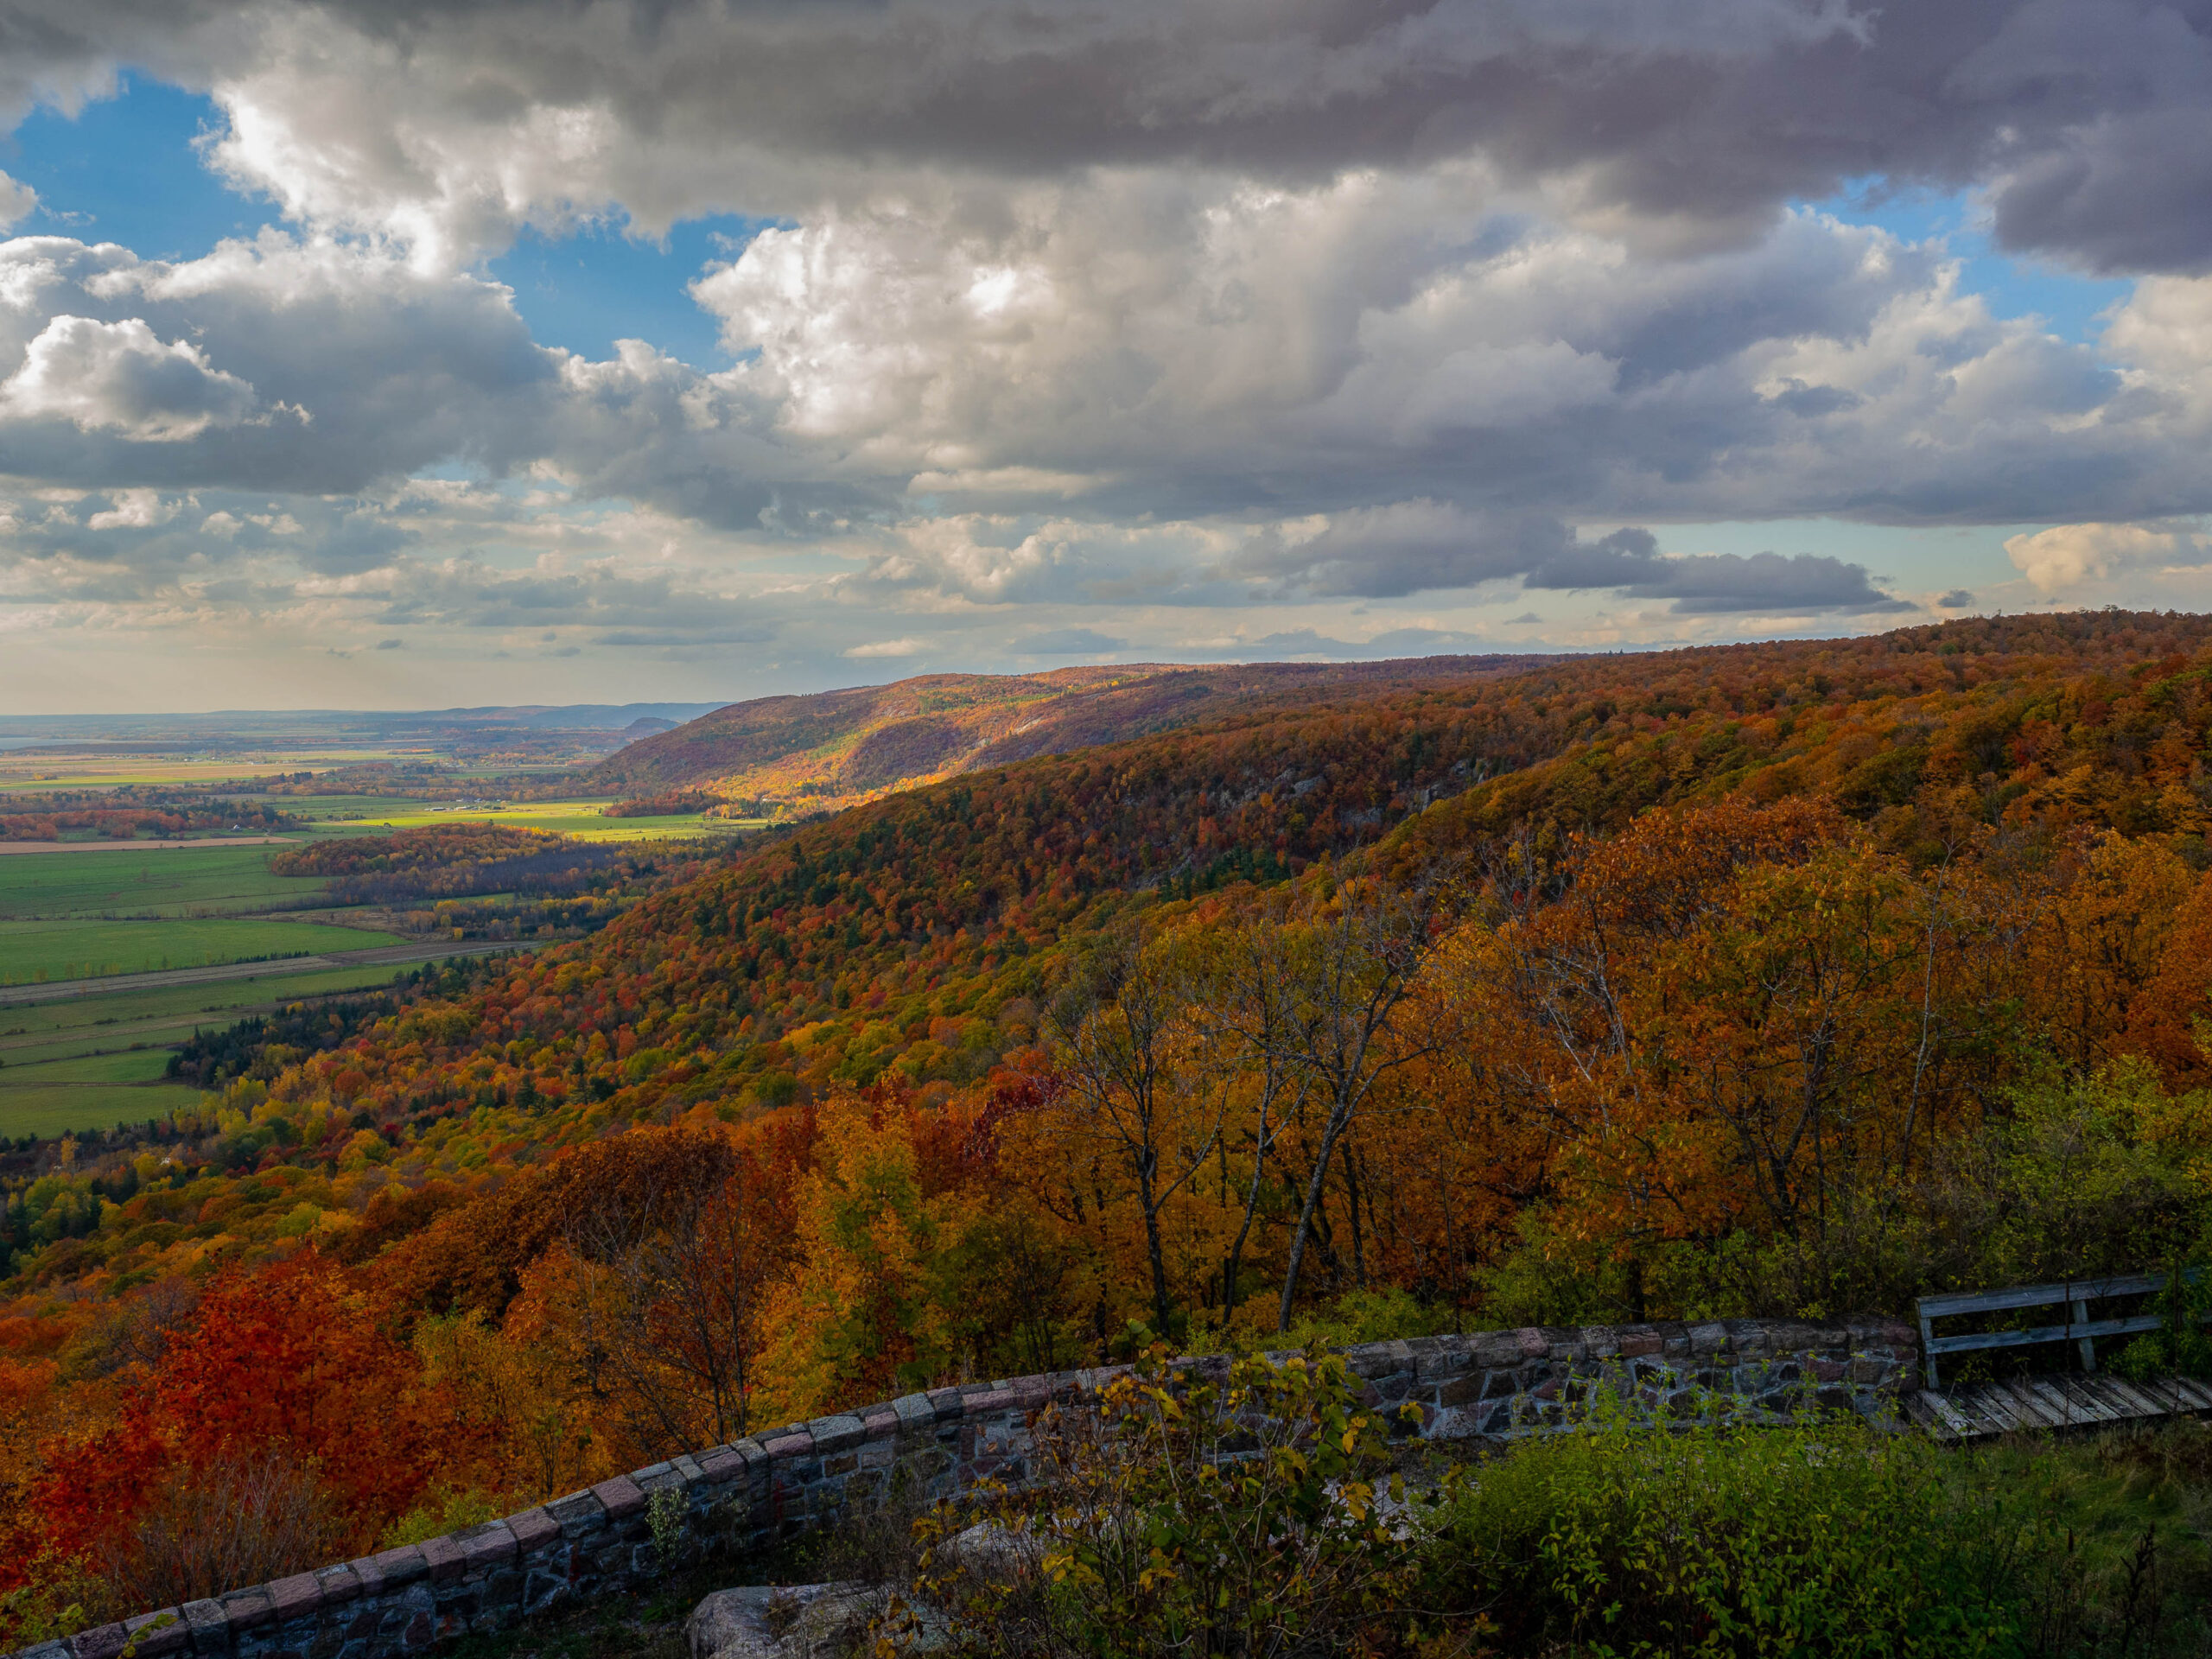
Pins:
x: 256, y: 728
x: 837, y: 748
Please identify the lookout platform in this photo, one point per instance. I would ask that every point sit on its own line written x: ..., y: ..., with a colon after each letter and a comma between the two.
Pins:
x: 1983, y: 1410
x: 2044, y: 1400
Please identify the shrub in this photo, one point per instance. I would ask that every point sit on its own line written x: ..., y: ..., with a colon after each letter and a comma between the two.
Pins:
x: 2179, y: 1344
x: 239, y: 1519
x: 1821, y: 1541
x: 1714, y: 1540
x: 1186, y: 1516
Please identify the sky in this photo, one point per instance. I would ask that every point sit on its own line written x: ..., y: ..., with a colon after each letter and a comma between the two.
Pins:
x: 385, y: 353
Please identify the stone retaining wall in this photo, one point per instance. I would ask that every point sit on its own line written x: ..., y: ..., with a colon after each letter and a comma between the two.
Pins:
x: 1491, y: 1385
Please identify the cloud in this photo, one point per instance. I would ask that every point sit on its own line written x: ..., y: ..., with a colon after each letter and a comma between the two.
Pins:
x: 1957, y: 599
x: 886, y: 648
x: 390, y: 645
x: 135, y: 510
x: 1064, y: 314
x: 2066, y: 556
x: 1129, y: 344
x: 17, y: 199
x: 1405, y: 548
x: 1714, y: 584
x: 1068, y: 642
x: 668, y: 637
x: 119, y: 378
x: 1684, y: 126
x: 1419, y: 546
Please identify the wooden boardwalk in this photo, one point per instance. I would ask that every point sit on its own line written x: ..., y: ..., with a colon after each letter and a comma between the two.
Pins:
x: 1983, y: 1410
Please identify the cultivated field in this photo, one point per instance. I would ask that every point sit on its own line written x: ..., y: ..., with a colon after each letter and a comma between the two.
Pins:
x: 96, y: 1062
x: 366, y: 815
x: 112, y: 912
x: 22, y: 773
x: 181, y: 880
x: 33, y: 952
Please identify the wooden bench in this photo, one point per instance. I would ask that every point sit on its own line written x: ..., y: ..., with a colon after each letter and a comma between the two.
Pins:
x: 2045, y: 1402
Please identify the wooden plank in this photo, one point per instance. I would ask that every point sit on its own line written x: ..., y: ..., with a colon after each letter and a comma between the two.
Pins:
x: 2065, y: 1394
x: 2198, y: 1397
x: 1995, y: 1404
x: 2083, y: 1398
x: 2129, y: 1284
x: 2006, y: 1412
x: 1978, y: 1341
x: 2127, y: 1396
x: 2070, y: 1412
x: 1956, y: 1420
x: 2160, y: 1389
x: 2127, y: 1326
x: 1992, y: 1301
x: 1931, y: 1421
x: 1950, y: 1303
x: 2032, y: 1409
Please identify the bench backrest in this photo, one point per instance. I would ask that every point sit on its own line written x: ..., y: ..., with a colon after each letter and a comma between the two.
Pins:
x: 2077, y: 1326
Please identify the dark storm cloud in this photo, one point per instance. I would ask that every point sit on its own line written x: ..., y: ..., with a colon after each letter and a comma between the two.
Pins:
x: 1420, y: 546
x: 1389, y: 552
x: 2089, y: 121
x: 1713, y: 584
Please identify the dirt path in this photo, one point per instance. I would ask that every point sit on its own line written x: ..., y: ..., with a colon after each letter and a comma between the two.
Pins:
x: 397, y: 955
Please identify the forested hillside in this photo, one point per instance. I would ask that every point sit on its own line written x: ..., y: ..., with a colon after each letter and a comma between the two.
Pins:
x: 835, y: 747
x: 1782, y: 978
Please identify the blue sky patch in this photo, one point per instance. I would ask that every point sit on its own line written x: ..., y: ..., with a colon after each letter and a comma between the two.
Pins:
x: 587, y: 290
x: 126, y: 169
x: 2014, y: 286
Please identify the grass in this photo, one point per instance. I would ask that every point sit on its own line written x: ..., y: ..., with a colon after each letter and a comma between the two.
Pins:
x: 28, y: 772
x: 56, y: 1109
x: 101, y: 1023
x: 182, y: 881
x: 371, y: 814
x: 36, y: 952
x: 126, y: 1066
x: 93, y: 1062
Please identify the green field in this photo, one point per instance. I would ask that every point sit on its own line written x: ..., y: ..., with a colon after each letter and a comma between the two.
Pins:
x: 79, y: 1065
x: 57, y: 1108
x: 38, y: 774
x: 36, y: 952
x: 372, y: 815
x: 130, y: 1066
x: 123, y: 1016
x: 178, y: 880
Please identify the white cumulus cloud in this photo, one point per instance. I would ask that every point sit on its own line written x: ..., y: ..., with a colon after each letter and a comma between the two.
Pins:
x: 122, y: 378
x: 2067, y: 556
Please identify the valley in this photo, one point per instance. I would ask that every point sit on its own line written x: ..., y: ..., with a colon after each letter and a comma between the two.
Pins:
x: 1787, y: 981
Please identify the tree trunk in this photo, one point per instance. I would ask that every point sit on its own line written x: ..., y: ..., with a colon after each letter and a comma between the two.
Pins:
x: 1337, y: 1119
x: 1152, y: 1250
x: 1251, y: 1206
x: 1358, y: 1242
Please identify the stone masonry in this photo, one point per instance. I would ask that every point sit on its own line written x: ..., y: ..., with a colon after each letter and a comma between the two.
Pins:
x: 1489, y: 1386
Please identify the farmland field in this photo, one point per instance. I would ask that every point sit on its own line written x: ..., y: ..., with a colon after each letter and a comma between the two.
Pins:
x: 58, y: 1108
x: 76, y: 947
x: 56, y: 1030
x: 32, y: 772
x: 359, y: 814
x: 84, y: 1065
x: 181, y: 880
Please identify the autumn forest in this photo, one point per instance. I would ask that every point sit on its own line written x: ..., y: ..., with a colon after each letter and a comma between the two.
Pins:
x: 1795, y: 978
